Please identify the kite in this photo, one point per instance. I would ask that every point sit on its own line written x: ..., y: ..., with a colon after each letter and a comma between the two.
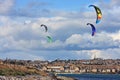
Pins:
x: 93, y: 28
x: 46, y: 29
x: 98, y: 12
x: 49, y: 39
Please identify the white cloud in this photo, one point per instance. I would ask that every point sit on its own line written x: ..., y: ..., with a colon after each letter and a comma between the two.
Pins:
x: 6, y: 5
x: 88, y: 54
x: 24, y: 37
x: 60, y: 23
x: 74, y: 39
x: 105, y: 54
x: 68, y: 30
x: 21, y: 56
x: 115, y: 36
x: 115, y: 2
x: 100, y: 41
x: 27, y: 22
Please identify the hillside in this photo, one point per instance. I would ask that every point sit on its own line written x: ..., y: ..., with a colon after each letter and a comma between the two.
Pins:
x: 14, y: 70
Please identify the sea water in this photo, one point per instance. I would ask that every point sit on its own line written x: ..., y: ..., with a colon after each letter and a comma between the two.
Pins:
x: 93, y: 76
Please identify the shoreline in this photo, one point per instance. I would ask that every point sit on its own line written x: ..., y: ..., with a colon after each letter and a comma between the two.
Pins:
x: 68, y: 73
x: 35, y: 77
x: 86, y: 73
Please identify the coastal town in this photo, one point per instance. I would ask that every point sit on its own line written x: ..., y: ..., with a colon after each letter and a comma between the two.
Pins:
x: 96, y: 65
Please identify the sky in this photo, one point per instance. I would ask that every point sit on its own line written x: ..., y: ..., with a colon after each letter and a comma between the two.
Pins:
x: 21, y: 36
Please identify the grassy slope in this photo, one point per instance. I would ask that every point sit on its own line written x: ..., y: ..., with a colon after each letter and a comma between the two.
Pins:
x: 14, y: 70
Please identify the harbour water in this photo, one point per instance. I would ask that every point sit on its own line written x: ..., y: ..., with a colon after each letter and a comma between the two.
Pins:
x: 93, y: 76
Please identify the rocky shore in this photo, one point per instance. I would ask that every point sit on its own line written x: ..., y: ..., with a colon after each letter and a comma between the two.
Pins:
x: 35, y: 77
x: 65, y: 78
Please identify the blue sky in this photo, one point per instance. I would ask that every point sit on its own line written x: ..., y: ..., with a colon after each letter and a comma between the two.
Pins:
x: 21, y: 36
x: 58, y: 4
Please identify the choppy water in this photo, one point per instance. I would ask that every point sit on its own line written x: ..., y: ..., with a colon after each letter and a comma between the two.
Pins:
x: 93, y: 76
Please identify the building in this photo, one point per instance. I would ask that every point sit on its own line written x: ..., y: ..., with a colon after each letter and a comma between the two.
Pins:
x: 1, y: 62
